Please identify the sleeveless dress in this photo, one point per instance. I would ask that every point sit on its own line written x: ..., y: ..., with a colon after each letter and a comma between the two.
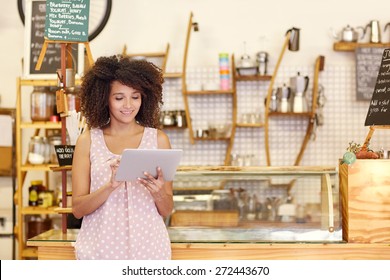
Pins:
x: 127, y: 226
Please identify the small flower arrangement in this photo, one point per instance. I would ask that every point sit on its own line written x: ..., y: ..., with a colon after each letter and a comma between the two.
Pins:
x: 354, y: 147
x: 361, y: 152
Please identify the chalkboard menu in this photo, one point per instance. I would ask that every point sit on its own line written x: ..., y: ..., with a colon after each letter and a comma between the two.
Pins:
x: 67, y: 20
x: 379, y: 110
x: 367, y: 66
x: 34, y: 39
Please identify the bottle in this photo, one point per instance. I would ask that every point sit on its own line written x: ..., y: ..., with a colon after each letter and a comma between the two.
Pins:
x: 180, y: 119
x: 251, y: 208
x: 33, y: 192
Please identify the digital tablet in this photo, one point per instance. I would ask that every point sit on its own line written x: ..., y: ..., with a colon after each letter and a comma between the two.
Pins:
x: 135, y: 162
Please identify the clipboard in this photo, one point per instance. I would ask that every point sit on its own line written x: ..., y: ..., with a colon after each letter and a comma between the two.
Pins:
x: 134, y: 162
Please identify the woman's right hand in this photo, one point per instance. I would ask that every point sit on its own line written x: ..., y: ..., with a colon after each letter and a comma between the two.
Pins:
x: 114, y: 164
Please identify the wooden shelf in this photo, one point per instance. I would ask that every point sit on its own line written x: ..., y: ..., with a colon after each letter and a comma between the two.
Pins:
x: 43, y: 125
x: 173, y: 75
x: 350, y: 47
x: 173, y: 127
x: 290, y: 114
x: 61, y: 210
x: 250, y: 124
x: 147, y: 54
x: 37, y: 167
x: 42, y: 82
x: 211, y: 139
x: 209, y: 92
x: 36, y: 210
x: 253, y: 77
x: 61, y: 168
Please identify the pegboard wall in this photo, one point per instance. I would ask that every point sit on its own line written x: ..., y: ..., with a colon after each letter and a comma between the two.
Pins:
x: 344, y: 119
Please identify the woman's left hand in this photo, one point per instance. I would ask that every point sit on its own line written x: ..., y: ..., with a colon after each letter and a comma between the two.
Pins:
x: 155, y: 185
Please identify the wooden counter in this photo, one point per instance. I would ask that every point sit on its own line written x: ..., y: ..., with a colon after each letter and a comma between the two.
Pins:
x: 54, y: 245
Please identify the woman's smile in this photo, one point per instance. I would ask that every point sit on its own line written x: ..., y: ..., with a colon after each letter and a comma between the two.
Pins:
x: 124, y: 101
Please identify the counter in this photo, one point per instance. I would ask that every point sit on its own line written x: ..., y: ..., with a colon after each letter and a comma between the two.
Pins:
x: 55, y: 245
x: 324, y: 233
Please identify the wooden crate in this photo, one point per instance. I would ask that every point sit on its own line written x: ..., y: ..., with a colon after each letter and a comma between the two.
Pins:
x: 365, y: 195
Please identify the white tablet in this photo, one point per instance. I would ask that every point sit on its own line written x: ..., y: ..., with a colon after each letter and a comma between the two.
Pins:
x: 135, y: 162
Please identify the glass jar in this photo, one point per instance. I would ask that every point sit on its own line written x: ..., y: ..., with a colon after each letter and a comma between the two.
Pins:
x: 37, y: 150
x: 42, y: 104
x: 45, y: 199
x: 53, y: 141
x: 222, y: 200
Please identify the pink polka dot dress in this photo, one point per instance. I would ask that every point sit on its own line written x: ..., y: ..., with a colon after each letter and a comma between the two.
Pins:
x: 127, y: 226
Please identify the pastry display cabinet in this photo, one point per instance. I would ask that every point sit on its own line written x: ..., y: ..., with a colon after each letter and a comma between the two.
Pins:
x: 256, y: 204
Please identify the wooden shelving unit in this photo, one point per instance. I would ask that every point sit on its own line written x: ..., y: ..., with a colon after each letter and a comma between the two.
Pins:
x: 23, y: 167
x: 186, y: 93
x: 310, y: 115
x: 231, y: 92
x: 246, y: 78
x: 163, y: 55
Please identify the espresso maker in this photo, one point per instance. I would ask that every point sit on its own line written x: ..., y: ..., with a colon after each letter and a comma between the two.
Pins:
x: 299, y: 85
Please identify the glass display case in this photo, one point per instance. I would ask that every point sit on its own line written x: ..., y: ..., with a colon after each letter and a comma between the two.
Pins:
x: 256, y: 205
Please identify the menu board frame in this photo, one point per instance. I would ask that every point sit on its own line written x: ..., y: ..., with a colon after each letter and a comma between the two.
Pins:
x: 44, y: 72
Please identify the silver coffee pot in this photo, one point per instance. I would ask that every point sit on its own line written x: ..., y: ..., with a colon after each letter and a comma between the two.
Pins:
x: 375, y: 35
x: 299, y: 85
x: 283, y: 98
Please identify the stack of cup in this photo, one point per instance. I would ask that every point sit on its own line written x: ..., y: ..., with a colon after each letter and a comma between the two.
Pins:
x: 224, y: 71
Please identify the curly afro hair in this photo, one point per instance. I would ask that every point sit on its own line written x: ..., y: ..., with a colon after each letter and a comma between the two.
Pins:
x: 141, y: 75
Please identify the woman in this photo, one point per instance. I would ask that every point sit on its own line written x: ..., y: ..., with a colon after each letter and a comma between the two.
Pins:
x: 121, y: 101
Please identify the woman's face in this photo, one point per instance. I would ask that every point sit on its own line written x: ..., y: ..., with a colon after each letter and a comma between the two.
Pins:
x: 124, y: 102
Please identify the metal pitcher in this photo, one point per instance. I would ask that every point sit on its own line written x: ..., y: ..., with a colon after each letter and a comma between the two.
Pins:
x: 375, y: 36
x: 293, y: 44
